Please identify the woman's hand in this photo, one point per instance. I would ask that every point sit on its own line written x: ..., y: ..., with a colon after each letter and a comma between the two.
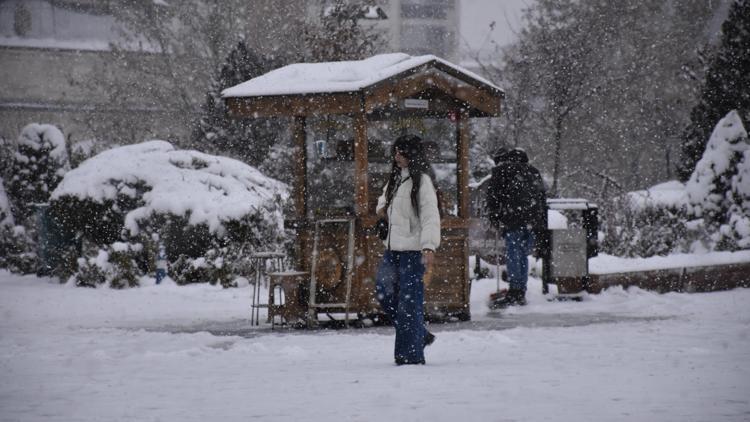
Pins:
x: 428, y: 257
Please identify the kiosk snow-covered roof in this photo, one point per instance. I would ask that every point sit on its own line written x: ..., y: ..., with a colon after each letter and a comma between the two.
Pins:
x: 377, y: 85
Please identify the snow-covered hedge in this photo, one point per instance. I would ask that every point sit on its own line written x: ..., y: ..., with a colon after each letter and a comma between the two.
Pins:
x: 642, y: 226
x: 192, y: 202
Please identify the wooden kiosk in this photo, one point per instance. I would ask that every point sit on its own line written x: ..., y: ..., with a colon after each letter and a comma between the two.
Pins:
x: 347, y: 104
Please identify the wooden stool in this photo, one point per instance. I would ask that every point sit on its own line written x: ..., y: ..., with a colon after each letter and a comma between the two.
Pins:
x: 292, y: 307
x: 260, y: 262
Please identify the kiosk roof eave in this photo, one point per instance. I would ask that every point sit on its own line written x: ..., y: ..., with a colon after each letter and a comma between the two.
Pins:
x: 339, y: 103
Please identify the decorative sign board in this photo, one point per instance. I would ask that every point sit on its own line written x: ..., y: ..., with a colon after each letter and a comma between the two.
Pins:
x: 416, y: 103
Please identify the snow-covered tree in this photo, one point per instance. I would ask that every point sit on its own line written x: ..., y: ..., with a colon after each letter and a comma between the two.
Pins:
x: 339, y: 35
x: 710, y: 188
x: 596, y: 89
x: 736, y: 232
x: 219, y: 133
x: 39, y: 163
x: 726, y: 87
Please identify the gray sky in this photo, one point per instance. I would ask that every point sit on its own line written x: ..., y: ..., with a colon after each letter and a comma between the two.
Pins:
x: 475, y: 19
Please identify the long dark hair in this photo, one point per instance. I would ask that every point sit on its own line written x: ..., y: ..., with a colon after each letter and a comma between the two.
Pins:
x: 411, y: 147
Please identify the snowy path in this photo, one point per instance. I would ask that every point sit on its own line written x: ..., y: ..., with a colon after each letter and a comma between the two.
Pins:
x: 71, y: 354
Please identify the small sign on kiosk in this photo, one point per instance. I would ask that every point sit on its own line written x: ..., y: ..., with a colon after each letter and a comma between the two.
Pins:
x: 416, y: 103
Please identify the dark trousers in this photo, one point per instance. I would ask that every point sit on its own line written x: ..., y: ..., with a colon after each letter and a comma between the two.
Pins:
x: 400, y: 291
x: 518, y: 245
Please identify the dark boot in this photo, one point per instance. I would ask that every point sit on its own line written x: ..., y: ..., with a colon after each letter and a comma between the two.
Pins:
x: 429, y: 338
x: 514, y: 297
x: 400, y: 361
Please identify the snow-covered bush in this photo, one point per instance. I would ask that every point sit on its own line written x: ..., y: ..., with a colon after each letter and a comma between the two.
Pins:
x: 212, y: 267
x: 645, y: 223
x: 39, y: 163
x: 115, y: 266
x: 197, y: 205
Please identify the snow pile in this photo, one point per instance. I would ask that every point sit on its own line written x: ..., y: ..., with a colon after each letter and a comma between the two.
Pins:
x: 205, y: 189
x: 344, y: 76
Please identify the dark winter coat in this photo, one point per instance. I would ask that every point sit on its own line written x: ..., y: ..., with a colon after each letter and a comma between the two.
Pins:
x: 516, y: 195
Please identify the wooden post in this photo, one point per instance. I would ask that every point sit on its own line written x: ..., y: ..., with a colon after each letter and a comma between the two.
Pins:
x: 462, y: 164
x: 360, y: 165
x: 300, y: 168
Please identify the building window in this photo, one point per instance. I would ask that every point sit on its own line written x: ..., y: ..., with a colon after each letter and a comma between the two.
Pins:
x: 424, y: 11
x: 21, y: 20
x: 426, y: 39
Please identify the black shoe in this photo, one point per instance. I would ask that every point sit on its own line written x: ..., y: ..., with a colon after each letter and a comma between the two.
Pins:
x: 401, y: 361
x: 514, y: 297
x: 429, y: 338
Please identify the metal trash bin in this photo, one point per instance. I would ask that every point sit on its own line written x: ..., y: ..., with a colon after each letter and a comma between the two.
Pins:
x: 573, y: 239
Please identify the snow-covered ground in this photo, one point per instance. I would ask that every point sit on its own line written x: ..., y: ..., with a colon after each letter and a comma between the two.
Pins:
x: 168, y: 353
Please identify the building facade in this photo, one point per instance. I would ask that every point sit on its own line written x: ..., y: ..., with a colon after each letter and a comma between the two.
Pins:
x: 56, y: 53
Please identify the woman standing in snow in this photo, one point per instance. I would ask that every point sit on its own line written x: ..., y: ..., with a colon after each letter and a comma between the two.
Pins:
x: 409, y: 203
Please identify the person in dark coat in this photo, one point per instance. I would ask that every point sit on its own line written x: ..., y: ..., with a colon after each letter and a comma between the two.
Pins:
x: 517, y: 205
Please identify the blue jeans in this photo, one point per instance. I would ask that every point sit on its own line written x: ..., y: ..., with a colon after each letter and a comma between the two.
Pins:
x: 518, y: 245
x: 400, y: 291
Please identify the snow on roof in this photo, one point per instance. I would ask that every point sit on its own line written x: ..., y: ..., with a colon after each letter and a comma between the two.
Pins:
x: 345, y: 76
x: 212, y: 189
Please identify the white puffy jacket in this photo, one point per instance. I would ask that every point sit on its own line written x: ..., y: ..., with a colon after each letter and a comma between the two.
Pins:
x: 406, y: 231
